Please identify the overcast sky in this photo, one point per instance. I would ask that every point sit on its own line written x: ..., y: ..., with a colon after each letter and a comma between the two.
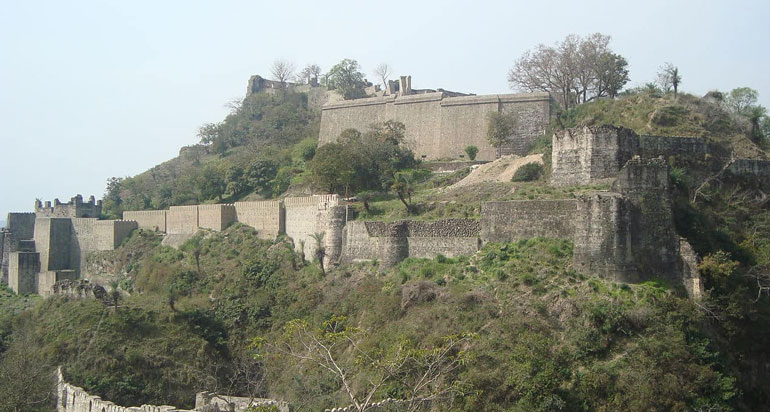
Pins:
x: 94, y: 89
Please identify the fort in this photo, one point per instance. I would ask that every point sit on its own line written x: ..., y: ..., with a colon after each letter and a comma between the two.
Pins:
x: 625, y: 233
x: 440, y: 124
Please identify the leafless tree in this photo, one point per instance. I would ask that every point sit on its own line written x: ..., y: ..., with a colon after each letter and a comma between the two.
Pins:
x: 383, y: 72
x: 425, y: 372
x: 27, y: 380
x: 283, y: 71
x: 669, y: 78
x: 575, y: 70
x: 310, y: 74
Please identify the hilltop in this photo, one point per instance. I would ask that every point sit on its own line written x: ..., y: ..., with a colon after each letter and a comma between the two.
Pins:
x: 537, y: 331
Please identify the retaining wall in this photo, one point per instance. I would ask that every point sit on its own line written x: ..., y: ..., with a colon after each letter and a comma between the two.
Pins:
x: 393, y: 242
x: 438, y: 126
x: 523, y: 219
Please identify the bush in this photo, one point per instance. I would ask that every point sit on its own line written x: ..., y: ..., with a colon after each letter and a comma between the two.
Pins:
x: 528, y: 173
x: 471, y: 151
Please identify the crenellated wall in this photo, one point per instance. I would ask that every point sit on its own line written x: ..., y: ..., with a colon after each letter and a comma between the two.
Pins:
x: 439, y: 126
x: 182, y: 220
x: 267, y: 217
x: 307, y: 216
x: 154, y: 220
x: 215, y: 217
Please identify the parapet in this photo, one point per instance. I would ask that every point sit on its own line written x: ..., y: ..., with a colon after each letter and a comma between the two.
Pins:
x: 74, y: 208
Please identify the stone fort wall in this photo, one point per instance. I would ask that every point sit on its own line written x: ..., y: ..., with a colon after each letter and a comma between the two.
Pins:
x: 523, y: 219
x: 391, y: 243
x: 71, y: 398
x: 438, y: 126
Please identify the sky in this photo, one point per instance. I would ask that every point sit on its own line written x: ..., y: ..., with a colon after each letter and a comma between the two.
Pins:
x: 95, y: 89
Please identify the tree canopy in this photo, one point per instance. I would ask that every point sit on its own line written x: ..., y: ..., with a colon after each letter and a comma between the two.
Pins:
x: 575, y: 70
x: 346, y: 76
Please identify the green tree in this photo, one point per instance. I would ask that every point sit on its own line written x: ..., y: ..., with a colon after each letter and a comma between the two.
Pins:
x: 260, y: 174
x: 210, y: 183
x: 346, y: 76
x: 471, y: 151
x: 500, y: 129
x: 112, y: 203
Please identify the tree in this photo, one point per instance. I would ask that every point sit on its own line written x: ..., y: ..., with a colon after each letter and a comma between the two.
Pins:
x: 425, y: 375
x: 27, y: 378
x: 383, y: 72
x: 210, y: 183
x: 404, y: 188
x: 112, y: 205
x: 500, y: 129
x: 346, y: 77
x: 208, y: 132
x: 283, y: 71
x: 669, y: 78
x: 471, y: 151
x: 575, y: 70
x: 310, y: 74
x: 741, y: 99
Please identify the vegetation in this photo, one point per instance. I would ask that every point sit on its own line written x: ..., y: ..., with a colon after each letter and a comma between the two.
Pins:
x: 260, y: 147
x: 528, y: 173
x: 359, y: 162
x: 471, y: 151
x: 500, y: 128
x: 346, y: 76
x: 576, y: 70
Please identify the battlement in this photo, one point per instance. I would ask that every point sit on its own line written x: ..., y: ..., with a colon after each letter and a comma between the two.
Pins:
x: 74, y: 208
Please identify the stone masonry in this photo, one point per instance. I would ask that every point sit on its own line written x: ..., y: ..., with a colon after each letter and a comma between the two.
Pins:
x: 42, y: 248
x: 440, y: 124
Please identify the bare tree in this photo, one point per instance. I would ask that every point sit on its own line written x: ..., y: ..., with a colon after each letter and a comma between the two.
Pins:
x: 383, y: 72
x: 310, y: 74
x: 669, y: 78
x: 426, y: 373
x: 283, y: 71
x: 575, y: 70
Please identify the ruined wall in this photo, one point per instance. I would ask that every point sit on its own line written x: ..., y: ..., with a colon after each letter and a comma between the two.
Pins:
x: 215, y: 217
x: 74, y: 208
x: 148, y: 219
x: 750, y: 167
x: 523, y: 219
x: 22, y: 271
x: 689, y: 262
x: 47, y: 280
x: 393, y: 242
x: 205, y: 401
x: 438, y: 126
x: 602, y: 242
x: 645, y: 183
x: 182, y: 220
x: 584, y: 155
x: 71, y: 398
x: 653, y: 146
x: 266, y: 217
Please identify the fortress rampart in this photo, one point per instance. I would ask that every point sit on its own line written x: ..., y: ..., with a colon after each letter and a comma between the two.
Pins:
x: 440, y: 126
x: 71, y: 398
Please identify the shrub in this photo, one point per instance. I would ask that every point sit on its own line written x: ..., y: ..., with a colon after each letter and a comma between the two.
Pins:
x: 471, y: 151
x: 528, y: 173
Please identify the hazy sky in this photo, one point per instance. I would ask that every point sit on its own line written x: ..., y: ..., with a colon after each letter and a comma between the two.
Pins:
x: 94, y: 89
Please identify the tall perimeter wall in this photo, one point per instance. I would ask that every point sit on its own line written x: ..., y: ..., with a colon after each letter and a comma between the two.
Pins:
x: 438, y: 126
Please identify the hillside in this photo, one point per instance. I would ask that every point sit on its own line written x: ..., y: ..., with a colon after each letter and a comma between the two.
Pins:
x: 223, y: 311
